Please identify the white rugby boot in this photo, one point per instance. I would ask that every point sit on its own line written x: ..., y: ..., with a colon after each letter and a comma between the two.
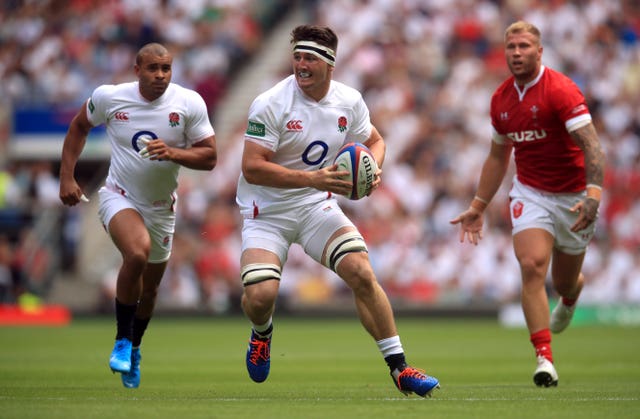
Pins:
x: 545, y: 374
x: 561, y: 317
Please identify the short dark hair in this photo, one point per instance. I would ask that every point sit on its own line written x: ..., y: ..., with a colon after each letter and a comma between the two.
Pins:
x: 323, y: 35
x: 152, y: 48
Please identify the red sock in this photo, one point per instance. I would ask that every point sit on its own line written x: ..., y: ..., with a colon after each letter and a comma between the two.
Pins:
x: 569, y: 301
x: 542, y: 342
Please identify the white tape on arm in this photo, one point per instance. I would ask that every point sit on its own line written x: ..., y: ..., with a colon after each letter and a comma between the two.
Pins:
x: 144, y: 153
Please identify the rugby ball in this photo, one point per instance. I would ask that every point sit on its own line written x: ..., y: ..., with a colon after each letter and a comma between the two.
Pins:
x: 357, y: 159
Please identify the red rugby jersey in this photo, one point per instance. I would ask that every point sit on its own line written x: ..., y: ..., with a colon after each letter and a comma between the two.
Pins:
x: 535, y: 120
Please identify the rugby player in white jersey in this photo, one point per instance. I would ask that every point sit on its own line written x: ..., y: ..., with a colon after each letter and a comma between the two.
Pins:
x: 286, y: 194
x: 154, y: 127
x: 542, y: 115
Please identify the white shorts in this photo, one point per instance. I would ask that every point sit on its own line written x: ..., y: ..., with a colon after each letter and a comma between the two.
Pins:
x: 532, y: 208
x: 311, y: 226
x: 160, y: 221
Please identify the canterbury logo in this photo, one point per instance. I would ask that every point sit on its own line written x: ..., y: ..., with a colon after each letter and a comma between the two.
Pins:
x: 294, y: 125
x: 122, y: 116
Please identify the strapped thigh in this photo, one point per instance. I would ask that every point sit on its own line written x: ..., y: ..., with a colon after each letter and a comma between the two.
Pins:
x: 258, y: 272
x: 342, y: 245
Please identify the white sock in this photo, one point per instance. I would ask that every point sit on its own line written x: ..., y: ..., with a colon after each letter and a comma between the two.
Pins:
x: 261, y: 328
x: 390, y: 346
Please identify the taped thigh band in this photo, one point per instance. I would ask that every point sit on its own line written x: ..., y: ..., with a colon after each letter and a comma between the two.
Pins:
x: 258, y: 272
x: 342, y: 245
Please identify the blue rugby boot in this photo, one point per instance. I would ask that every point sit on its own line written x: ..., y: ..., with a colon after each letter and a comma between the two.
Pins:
x: 258, y: 357
x: 131, y: 379
x: 411, y: 380
x: 120, y: 360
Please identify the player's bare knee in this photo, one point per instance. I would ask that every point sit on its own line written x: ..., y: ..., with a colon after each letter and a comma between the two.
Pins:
x: 260, y: 304
x: 259, y: 299
x: 136, y: 259
x: 532, y: 267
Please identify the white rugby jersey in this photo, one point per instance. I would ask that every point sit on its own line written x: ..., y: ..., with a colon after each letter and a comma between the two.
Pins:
x: 304, y: 134
x: 179, y: 117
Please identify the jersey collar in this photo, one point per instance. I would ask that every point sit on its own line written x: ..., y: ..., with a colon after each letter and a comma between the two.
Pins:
x: 526, y: 87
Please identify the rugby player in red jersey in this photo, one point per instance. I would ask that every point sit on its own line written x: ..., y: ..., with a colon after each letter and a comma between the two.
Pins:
x: 541, y: 115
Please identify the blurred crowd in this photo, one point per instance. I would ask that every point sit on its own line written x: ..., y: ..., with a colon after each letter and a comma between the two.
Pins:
x: 53, y: 53
x: 426, y: 68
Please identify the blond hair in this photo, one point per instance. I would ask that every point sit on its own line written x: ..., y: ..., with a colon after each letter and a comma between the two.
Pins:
x: 522, y: 26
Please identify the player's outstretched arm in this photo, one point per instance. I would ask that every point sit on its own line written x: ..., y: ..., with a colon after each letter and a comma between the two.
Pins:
x: 493, y: 172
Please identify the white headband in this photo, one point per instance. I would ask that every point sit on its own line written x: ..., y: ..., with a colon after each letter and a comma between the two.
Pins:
x: 326, y: 54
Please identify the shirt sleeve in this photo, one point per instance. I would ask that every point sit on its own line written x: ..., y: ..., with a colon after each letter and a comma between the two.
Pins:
x: 261, y: 127
x: 496, y: 137
x: 200, y: 126
x: 361, y: 128
x: 570, y: 104
x: 97, y: 105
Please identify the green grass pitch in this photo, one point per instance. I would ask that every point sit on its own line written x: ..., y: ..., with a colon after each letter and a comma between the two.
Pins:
x: 320, y: 368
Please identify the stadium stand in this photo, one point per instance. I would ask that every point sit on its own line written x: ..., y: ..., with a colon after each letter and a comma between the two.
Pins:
x: 426, y: 69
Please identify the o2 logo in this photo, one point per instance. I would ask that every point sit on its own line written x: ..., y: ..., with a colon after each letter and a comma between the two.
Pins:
x: 137, y: 140
x: 312, y: 150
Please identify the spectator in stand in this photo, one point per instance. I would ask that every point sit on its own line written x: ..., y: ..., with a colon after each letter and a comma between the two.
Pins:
x: 7, y: 293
